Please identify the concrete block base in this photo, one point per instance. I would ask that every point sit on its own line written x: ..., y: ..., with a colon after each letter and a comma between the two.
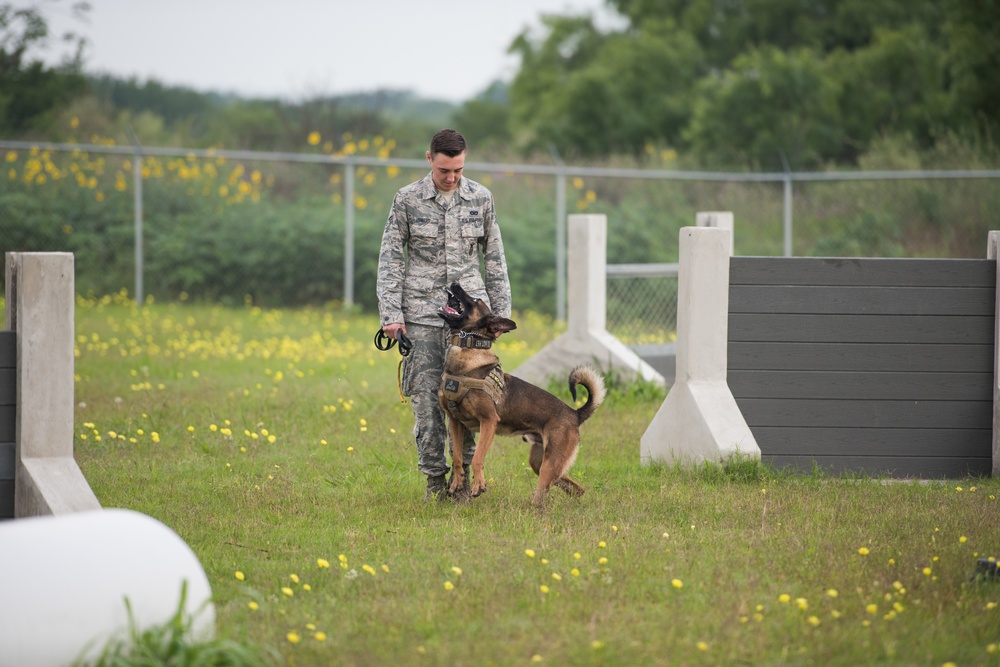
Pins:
x: 695, y: 424
x: 599, y: 348
x: 52, y: 486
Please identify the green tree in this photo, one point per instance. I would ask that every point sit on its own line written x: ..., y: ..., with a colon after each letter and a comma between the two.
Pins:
x: 894, y: 84
x: 973, y: 31
x: 590, y: 93
x: 770, y: 107
x: 734, y: 80
x: 30, y: 91
x: 485, y: 119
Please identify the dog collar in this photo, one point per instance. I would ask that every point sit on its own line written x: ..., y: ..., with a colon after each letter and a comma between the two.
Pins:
x: 471, y: 341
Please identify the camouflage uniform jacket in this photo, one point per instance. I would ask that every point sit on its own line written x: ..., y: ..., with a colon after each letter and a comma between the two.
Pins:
x: 442, y: 245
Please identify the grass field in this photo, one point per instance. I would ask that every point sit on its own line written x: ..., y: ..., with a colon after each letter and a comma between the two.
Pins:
x: 275, y: 443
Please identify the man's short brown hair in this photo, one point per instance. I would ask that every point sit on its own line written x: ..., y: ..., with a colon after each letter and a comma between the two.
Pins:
x: 449, y: 142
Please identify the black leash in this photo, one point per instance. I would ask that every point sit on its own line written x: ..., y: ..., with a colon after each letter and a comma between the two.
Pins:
x: 385, y: 344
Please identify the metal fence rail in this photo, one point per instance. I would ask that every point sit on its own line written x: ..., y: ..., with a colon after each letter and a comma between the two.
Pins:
x: 801, y: 191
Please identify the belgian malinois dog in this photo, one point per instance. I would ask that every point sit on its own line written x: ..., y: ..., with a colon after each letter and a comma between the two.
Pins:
x: 477, y: 395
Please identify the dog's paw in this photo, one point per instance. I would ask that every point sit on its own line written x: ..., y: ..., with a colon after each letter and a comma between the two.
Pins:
x: 456, y: 486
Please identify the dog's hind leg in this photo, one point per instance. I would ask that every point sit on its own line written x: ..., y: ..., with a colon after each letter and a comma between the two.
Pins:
x: 535, y: 459
x: 487, y: 429
x: 537, y: 450
x: 547, y: 475
x: 560, y: 448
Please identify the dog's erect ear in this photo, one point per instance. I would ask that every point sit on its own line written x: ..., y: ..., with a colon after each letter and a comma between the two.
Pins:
x: 499, y: 325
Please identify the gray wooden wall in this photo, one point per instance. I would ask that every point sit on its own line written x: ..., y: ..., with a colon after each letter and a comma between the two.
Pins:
x: 876, y: 366
x: 8, y: 398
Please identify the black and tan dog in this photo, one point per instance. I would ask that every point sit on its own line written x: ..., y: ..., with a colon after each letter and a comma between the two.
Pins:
x: 479, y: 396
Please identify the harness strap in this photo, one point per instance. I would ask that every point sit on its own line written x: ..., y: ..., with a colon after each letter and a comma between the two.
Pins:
x: 455, y: 387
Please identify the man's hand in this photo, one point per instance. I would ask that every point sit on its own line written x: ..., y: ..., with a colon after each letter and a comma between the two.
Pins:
x: 393, y: 329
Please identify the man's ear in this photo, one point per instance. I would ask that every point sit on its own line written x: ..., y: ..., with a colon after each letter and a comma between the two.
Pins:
x: 499, y: 325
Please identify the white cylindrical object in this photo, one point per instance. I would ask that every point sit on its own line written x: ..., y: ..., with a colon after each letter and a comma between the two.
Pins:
x: 64, y: 580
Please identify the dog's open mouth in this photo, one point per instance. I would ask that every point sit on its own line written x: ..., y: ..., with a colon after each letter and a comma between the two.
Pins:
x: 453, y: 309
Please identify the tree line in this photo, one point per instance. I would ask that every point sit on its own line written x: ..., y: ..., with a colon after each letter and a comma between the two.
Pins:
x: 737, y: 84
x: 754, y: 83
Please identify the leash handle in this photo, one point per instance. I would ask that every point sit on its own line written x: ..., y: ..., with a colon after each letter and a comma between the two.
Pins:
x: 384, y: 343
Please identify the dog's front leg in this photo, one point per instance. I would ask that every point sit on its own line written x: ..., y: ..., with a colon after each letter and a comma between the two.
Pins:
x: 487, y: 429
x: 456, y: 431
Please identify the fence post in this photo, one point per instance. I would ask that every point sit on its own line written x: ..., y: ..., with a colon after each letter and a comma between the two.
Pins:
x: 138, y: 210
x: 699, y: 420
x: 993, y: 252
x: 720, y: 219
x: 349, y: 232
x: 561, y: 246
x: 788, y: 215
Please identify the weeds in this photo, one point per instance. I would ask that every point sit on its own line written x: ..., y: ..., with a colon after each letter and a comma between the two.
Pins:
x: 173, y: 643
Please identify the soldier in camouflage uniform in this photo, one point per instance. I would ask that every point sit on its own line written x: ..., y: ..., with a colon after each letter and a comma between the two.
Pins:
x: 436, y: 230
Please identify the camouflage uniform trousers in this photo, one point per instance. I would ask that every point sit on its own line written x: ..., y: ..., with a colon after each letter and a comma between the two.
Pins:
x: 422, y: 371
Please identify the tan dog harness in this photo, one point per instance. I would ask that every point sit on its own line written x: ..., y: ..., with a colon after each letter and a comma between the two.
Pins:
x: 457, y: 386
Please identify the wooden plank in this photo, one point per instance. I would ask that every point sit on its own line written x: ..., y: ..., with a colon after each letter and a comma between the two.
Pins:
x: 6, y: 499
x: 879, y: 385
x: 8, y: 349
x: 861, y: 271
x: 913, y: 467
x: 7, y: 460
x: 866, y: 414
x: 952, y: 301
x: 7, y: 423
x: 804, y: 441
x: 8, y: 386
x: 860, y: 356
x: 912, y: 329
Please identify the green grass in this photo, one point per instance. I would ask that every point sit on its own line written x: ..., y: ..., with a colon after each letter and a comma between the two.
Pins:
x: 654, y: 565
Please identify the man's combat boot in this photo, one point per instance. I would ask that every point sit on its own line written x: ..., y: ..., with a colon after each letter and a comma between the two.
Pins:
x: 437, y: 487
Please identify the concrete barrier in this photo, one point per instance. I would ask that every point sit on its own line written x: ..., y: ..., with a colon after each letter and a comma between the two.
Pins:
x: 64, y: 581
x: 699, y: 420
x: 40, y: 306
x: 586, y: 339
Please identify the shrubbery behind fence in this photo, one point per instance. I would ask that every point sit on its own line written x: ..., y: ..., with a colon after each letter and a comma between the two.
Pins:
x: 304, y: 228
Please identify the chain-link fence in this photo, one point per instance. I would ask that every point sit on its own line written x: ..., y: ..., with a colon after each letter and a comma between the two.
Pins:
x: 642, y: 302
x: 286, y: 229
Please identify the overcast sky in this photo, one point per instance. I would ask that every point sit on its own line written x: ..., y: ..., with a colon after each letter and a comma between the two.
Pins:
x: 298, y: 49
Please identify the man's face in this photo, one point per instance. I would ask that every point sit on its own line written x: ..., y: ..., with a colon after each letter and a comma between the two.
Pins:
x: 446, y: 171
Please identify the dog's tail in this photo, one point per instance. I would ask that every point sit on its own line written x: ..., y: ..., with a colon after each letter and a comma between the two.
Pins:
x: 592, y: 379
